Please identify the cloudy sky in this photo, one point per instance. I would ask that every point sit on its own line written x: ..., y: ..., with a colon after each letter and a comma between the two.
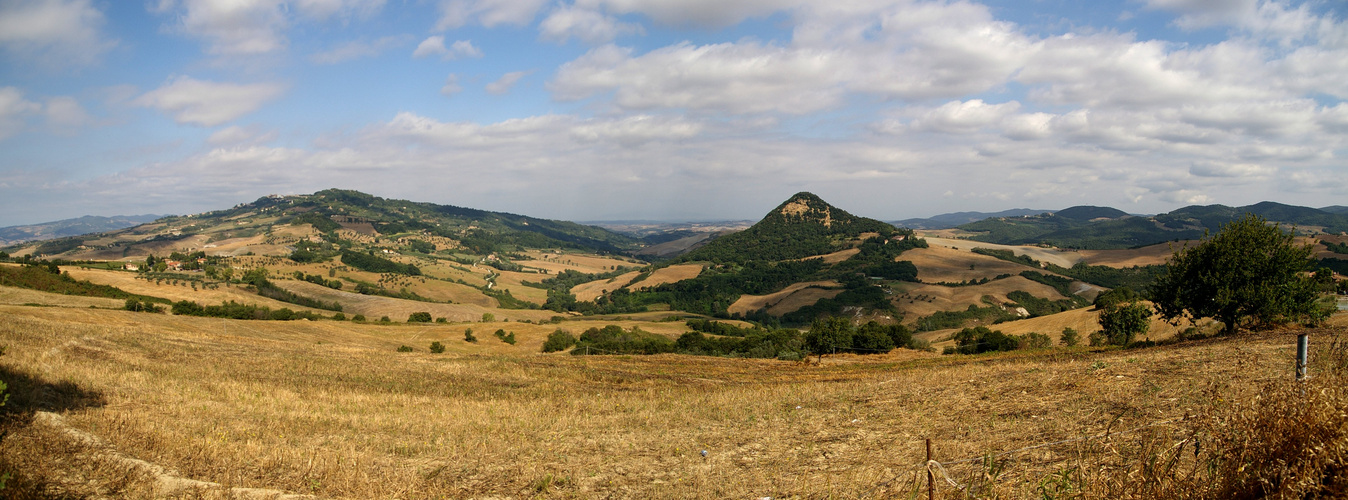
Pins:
x: 672, y: 109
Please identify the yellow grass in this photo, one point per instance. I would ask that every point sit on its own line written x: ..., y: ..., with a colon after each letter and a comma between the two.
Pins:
x: 589, y: 291
x: 945, y: 264
x: 915, y: 300
x: 671, y: 274
x: 1084, y: 321
x: 20, y: 296
x: 556, y: 262
x: 1145, y: 256
x: 795, y: 296
x: 127, y: 281
x: 330, y: 409
x: 1064, y: 258
x: 838, y: 256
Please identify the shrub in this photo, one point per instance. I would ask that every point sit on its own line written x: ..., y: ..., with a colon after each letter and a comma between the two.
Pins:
x: 559, y: 340
x: 981, y: 339
x: 404, y: 349
x: 1035, y: 340
x: 468, y: 335
x: 358, y: 317
x: 1122, y: 323
x: 437, y: 347
x: 441, y: 320
x: 1070, y: 338
x: 339, y: 317
x: 384, y: 319
x: 488, y: 317
x: 419, y: 317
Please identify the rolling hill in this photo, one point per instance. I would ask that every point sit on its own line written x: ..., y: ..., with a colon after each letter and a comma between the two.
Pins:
x: 14, y: 235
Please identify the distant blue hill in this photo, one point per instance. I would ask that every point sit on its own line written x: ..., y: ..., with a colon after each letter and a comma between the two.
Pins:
x: 947, y: 221
x: 14, y: 235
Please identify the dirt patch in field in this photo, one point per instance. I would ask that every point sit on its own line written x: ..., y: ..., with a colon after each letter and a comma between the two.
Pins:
x: 1064, y: 258
x: 789, y: 299
x: 836, y: 257
x: 944, y: 264
x: 671, y: 274
x: 586, y: 292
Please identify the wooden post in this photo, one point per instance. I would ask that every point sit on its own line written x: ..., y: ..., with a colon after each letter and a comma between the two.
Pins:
x: 931, y: 478
x: 1303, y: 341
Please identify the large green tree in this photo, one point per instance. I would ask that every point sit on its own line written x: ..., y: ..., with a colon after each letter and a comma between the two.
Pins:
x: 1249, y: 271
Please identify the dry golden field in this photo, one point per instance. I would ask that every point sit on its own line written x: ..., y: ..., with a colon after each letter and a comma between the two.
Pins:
x: 670, y: 274
x: 944, y: 264
x: 121, y: 404
x: 918, y: 299
x: 789, y: 299
x: 589, y: 291
x: 1064, y: 258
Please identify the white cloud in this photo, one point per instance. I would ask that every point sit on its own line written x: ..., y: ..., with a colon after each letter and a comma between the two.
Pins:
x: 231, y: 27
x: 359, y: 48
x: 964, y: 116
x: 206, y: 103
x: 435, y: 46
x: 324, y: 9
x: 53, y: 33
x: 13, y: 110
x: 502, y: 85
x: 65, y: 112
x: 1242, y: 170
x: 451, y: 86
x: 586, y: 25
x: 636, y: 130
x: 458, y: 13
x: 703, y: 13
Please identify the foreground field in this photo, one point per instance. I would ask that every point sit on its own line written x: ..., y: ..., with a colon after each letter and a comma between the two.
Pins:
x: 331, y: 409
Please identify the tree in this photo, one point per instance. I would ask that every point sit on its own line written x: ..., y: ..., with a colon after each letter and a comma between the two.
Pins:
x: 1120, y: 324
x: 1069, y: 337
x: 829, y: 335
x: 419, y: 317
x: 1249, y: 270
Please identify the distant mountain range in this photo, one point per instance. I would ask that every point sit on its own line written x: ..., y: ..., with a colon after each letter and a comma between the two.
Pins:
x: 950, y: 220
x: 1104, y: 228
x: 13, y: 235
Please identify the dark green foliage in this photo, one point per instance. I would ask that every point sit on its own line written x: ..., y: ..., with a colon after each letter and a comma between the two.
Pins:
x: 468, y: 335
x: 1136, y: 277
x: 59, y: 245
x: 872, y: 338
x: 1114, y: 297
x: 419, y: 317
x: 358, y: 317
x: 1122, y: 323
x: 1007, y: 255
x: 980, y: 339
x: 559, y: 340
x: 758, y: 343
x: 1059, y: 283
x: 716, y: 288
x: 385, y: 319
x: 867, y: 296
x: 1035, y: 340
x: 375, y: 264
x: 719, y: 328
x: 1337, y: 265
x: 404, y: 349
x: 318, y: 280
x: 941, y: 320
x: 613, y: 339
x: 1248, y: 271
x: 136, y: 305
x: 829, y: 336
x: 1070, y: 337
x: 420, y: 246
x: 1336, y: 247
x: 1043, y: 307
x: 793, y: 230
x: 41, y: 278
x: 339, y: 317
x: 266, y: 288
x: 441, y: 320
x: 320, y: 222
x: 437, y: 347
x: 507, y: 337
x: 235, y: 310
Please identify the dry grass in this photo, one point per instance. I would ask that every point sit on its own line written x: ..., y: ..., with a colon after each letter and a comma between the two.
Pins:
x: 793, y: 297
x: 671, y: 274
x: 916, y: 300
x: 1064, y: 258
x: 555, y: 262
x: 127, y: 281
x: 945, y: 264
x: 838, y: 256
x: 589, y: 291
x: 329, y: 408
x: 1145, y: 256
x: 19, y: 296
x: 1084, y: 321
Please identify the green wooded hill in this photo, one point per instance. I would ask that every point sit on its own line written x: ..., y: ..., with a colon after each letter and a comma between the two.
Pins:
x: 1082, y: 227
x: 802, y: 226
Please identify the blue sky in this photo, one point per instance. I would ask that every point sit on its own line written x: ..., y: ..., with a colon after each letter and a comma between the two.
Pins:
x: 671, y: 109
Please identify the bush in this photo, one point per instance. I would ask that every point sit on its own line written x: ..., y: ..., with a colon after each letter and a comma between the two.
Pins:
x: 1070, y: 337
x: 339, y: 317
x: 1122, y: 323
x: 404, y: 349
x: 468, y: 335
x: 981, y: 339
x: 419, y: 317
x: 358, y: 317
x: 441, y: 320
x: 1035, y: 340
x: 559, y: 340
x: 384, y: 319
x: 488, y: 317
x: 437, y: 347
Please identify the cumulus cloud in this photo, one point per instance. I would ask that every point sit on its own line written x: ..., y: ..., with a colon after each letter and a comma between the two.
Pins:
x: 458, y: 13
x: 589, y: 26
x: 357, y: 49
x: 503, y: 85
x: 252, y: 27
x: 435, y: 46
x: 206, y: 103
x: 53, y: 33
x: 13, y: 110
x: 702, y: 13
x: 65, y: 112
x: 964, y: 116
x: 451, y: 86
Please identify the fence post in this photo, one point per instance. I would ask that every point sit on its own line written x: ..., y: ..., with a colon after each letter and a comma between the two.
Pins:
x: 931, y: 478
x: 1303, y: 341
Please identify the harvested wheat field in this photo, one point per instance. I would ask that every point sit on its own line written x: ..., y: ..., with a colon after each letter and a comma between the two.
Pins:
x: 1064, y: 258
x: 916, y: 300
x: 592, y: 290
x: 788, y: 299
x: 1084, y: 321
x: 1145, y: 256
x: 670, y: 274
x: 937, y: 264
x: 121, y: 404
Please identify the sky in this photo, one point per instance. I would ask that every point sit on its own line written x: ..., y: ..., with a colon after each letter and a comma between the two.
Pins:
x: 672, y: 109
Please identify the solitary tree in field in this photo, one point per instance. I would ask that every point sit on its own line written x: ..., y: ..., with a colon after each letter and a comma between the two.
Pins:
x: 1121, y: 323
x: 1248, y: 271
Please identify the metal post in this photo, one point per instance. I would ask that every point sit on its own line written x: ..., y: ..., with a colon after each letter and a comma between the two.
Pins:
x: 1303, y: 341
x: 931, y: 478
